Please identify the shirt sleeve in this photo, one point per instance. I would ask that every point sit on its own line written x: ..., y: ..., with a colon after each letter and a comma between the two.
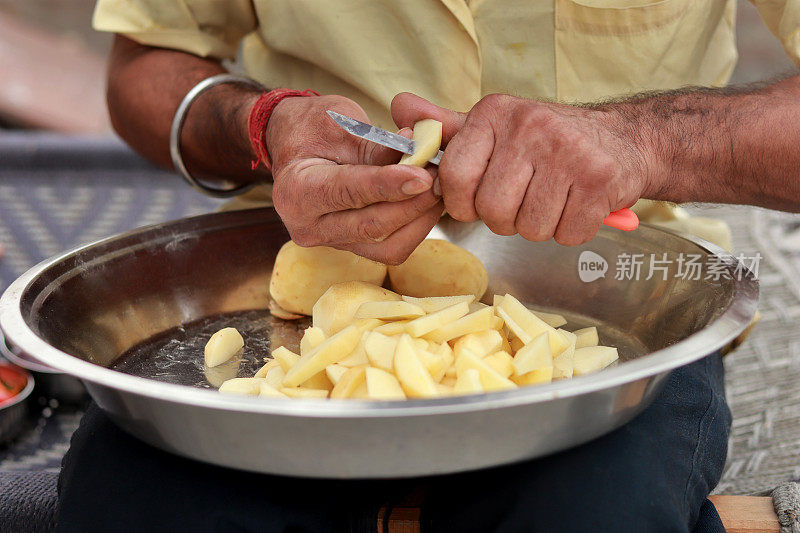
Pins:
x: 783, y: 20
x: 207, y: 28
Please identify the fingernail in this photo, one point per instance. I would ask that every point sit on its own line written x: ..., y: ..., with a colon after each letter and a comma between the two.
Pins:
x: 437, y: 187
x: 414, y: 187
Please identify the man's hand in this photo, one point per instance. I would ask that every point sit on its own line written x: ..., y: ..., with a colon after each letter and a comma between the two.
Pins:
x: 539, y: 169
x: 334, y: 189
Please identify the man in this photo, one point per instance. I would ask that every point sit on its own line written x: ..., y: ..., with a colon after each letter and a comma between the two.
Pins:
x: 522, y: 164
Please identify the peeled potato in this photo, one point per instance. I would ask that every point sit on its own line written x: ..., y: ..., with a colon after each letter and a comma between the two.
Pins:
x: 439, y: 268
x: 302, y: 275
x: 427, y: 139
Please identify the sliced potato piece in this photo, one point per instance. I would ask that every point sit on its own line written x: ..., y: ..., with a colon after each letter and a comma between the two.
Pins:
x: 222, y: 345
x: 478, y: 321
x: 532, y: 324
x: 427, y: 137
x: 285, y: 358
x: 425, y: 324
x: 359, y: 354
x: 361, y: 393
x: 367, y: 324
x: 302, y: 275
x: 497, y: 322
x: 318, y: 381
x: 350, y: 382
x: 262, y: 372
x: 501, y: 362
x: 336, y: 308
x: 563, y: 363
x: 431, y: 304
x: 312, y: 337
x: 382, y: 385
x: 591, y: 359
x: 491, y: 380
x: 552, y: 319
x: 439, y: 268
x: 420, y: 344
x: 268, y: 391
x: 533, y: 355
x: 302, y: 392
x: 380, y: 350
x: 332, y: 350
x: 392, y: 328
x: 519, y: 333
x: 412, y: 374
x: 243, y: 386
x: 435, y: 364
x: 274, y: 377
x: 516, y: 344
x: 586, y: 337
x: 535, y: 377
x: 481, y: 343
x: 444, y: 390
x: 469, y: 382
x: 399, y: 310
x: 570, y: 337
x: 335, y: 372
x: 449, y: 381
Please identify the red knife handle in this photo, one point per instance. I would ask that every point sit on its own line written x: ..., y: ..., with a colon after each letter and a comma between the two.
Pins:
x: 624, y: 219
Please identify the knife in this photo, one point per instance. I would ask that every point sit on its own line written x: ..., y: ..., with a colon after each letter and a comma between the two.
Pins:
x: 377, y: 135
x: 623, y: 219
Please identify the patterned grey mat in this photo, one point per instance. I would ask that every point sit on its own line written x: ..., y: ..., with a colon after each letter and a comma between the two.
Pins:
x: 56, y: 193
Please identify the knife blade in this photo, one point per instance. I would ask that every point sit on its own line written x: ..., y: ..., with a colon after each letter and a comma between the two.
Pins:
x: 377, y: 135
x: 623, y: 219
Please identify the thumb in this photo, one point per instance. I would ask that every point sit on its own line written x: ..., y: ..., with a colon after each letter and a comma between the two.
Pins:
x: 408, y: 108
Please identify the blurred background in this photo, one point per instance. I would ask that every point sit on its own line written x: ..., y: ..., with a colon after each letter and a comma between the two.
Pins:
x: 51, y: 63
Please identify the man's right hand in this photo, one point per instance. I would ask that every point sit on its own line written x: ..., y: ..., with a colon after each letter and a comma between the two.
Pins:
x: 334, y: 189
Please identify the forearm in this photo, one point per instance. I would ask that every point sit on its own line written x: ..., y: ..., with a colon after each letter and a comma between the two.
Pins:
x: 145, y: 86
x: 719, y: 145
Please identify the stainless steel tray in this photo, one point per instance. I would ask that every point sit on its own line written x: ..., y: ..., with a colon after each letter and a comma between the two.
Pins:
x: 154, y: 293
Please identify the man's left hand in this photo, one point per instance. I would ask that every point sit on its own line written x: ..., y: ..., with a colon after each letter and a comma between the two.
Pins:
x: 539, y: 169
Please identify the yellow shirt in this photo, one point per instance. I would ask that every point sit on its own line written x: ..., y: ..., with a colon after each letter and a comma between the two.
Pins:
x: 453, y: 52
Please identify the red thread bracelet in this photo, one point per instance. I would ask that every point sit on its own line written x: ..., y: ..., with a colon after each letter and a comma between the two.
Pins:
x: 259, y: 117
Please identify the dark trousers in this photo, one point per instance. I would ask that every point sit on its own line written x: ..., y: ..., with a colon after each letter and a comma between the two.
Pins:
x: 651, y: 475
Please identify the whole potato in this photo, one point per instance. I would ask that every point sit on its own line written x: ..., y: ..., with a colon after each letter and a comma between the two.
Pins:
x: 439, y: 268
x: 301, y: 275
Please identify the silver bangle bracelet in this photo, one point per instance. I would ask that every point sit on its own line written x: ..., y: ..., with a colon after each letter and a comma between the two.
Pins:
x: 177, y: 127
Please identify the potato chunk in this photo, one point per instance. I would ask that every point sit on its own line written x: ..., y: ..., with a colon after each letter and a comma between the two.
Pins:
x: 399, y: 310
x: 412, y: 374
x: 222, y: 345
x: 439, y: 268
x: 382, y: 385
x: 301, y: 275
x: 427, y: 139
x: 337, y: 307
x: 592, y: 359
x: 331, y: 351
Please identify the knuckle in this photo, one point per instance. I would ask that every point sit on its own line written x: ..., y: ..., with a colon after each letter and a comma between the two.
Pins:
x: 497, y: 216
x: 370, y: 229
x: 531, y: 231
x: 493, y: 100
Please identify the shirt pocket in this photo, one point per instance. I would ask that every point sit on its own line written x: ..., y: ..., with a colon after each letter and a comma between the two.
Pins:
x: 608, y: 48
